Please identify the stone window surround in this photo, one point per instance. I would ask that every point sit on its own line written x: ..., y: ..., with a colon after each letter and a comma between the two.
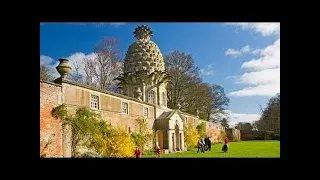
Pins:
x: 151, y: 96
x: 163, y: 99
x: 144, y: 115
x: 127, y: 107
x: 99, y: 101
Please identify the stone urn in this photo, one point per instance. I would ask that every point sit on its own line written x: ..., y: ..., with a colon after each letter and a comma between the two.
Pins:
x: 63, y: 68
x: 138, y: 94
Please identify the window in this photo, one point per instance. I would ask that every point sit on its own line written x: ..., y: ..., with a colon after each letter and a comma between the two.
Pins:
x: 163, y: 99
x: 124, y: 107
x: 186, y: 120
x: 94, y: 102
x: 151, y: 97
x: 145, y: 112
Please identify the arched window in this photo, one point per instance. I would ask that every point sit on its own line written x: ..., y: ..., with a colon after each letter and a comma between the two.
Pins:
x: 151, y: 97
x: 164, y: 99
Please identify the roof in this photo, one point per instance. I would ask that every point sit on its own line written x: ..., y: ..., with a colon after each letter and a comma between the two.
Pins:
x: 169, y: 114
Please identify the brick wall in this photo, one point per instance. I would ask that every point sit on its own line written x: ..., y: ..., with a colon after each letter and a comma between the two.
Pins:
x: 215, y: 131
x: 50, y: 128
x: 233, y: 134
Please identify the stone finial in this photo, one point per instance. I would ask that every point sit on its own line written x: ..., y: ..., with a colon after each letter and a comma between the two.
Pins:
x: 197, y: 112
x: 179, y: 106
x: 63, y: 68
x: 139, y: 94
x: 143, y: 32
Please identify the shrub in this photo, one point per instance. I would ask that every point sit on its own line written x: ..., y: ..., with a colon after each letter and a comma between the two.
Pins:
x: 276, y: 137
x: 91, y: 155
x: 119, y: 144
x: 137, y: 139
x: 191, y: 136
x: 142, y: 136
x: 201, y: 128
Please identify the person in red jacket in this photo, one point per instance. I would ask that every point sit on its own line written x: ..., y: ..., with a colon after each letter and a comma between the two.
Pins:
x: 158, y: 151
x: 225, y: 146
x: 137, y: 153
x: 226, y: 140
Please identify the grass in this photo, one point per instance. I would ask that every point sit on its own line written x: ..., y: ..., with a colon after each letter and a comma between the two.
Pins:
x: 251, y: 149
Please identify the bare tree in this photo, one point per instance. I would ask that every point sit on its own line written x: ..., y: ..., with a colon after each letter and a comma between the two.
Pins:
x: 186, y: 87
x: 45, y: 73
x: 76, y: 74
x: 183, y: 73
x: 101, y: 69
x: 224, y: 122
x: 108, y: 54
x: 89, y: 69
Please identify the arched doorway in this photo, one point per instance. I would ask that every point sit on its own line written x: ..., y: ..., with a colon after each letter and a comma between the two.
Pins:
x: 159, y: 138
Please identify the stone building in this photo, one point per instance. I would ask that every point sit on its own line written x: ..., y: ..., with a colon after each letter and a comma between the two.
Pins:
x: 144, y: 95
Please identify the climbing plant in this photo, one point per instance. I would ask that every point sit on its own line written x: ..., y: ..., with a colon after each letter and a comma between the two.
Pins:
x: 83, y: 125
x: 143, y: 135
x: 89, y: 130
x: 44, y: 145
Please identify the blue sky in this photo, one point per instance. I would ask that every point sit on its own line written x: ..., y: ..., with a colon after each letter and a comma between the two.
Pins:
x: 242, y: 57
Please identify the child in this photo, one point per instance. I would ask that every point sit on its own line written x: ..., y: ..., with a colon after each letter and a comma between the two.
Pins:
x: 137, y: 152
x: 158, y: 151
x: 225, y: 145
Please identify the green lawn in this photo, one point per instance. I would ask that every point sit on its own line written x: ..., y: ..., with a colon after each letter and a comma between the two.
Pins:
x: 236, y: 149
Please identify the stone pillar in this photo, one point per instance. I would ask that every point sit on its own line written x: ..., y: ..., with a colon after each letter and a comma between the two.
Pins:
x: 182, y: 140
x: 170, y: 140
x: 67, y: 143
x: 158, y: 96
x: 143, y: 91
x: 176, y: 141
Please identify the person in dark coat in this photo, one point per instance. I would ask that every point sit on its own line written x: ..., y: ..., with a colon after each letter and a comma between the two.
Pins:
x: 208, y: 143
x: 200, y: 146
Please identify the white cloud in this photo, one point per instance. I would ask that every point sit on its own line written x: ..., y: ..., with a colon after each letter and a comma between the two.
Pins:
x: 263, y: 77
x: 270, y: 58
x: 50, y: 63
x: 234, y: 118
x: 270, y: 89
x: 98, y: 24
x: 207, y: 71
x: 256, y: 51
x: 233, y: 52
x: 265, y: 29
x: 117, y: 24
x: 236, y: 53
x: 46, y: 60
x: 245, y: 49
x: 264, y: 80
x: 74, y: 59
